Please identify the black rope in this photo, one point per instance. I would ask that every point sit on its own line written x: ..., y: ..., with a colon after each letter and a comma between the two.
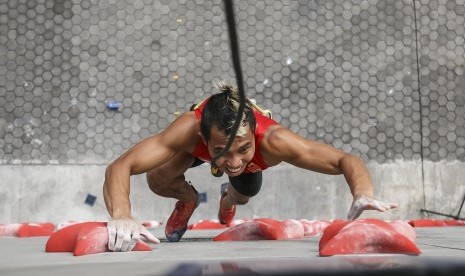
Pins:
x: 420, y: 104
x: 228, y: 5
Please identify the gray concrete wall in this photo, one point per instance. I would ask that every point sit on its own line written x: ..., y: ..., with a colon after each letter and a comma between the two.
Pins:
x: 57, y: 193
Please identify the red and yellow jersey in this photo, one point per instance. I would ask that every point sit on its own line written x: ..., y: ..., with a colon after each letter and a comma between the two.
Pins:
x: 262, y: 123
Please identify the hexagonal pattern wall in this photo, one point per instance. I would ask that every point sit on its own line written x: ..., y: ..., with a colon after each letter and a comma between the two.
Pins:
x: 442, y: 82
x: 81, y: 81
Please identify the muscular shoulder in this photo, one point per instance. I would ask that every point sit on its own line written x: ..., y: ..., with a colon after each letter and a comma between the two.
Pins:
x: 271, y: 144
x: 183, y: 132
x: 187, y: 121
x: 274, y: 134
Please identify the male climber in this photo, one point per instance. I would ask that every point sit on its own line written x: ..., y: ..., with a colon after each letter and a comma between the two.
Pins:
x: 196, y: 136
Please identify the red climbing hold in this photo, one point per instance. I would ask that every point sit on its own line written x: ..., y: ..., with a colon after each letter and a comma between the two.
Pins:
x: 93, y: 240
x: 426, y: 223
x: 453, y: 222
x: 436, y: 222
x: 313, y: 228
x: 35, y: 230
x: 64, y: 240
x: 85, y: 238
x: 9, y: 230
x: 206, y: 224
x: 365, y: 236
x: 263, y: 229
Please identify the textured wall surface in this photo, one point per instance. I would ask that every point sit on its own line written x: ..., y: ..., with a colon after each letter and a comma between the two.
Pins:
x: 81, y: 81
x: 342, y: 72
x: 441, y: 50
x: 58, y: 193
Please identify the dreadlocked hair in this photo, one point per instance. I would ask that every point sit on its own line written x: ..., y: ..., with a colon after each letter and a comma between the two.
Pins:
x: 221, y: 110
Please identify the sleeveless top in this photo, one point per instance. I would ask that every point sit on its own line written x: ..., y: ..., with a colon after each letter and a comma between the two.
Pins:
x: 262, y: 123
